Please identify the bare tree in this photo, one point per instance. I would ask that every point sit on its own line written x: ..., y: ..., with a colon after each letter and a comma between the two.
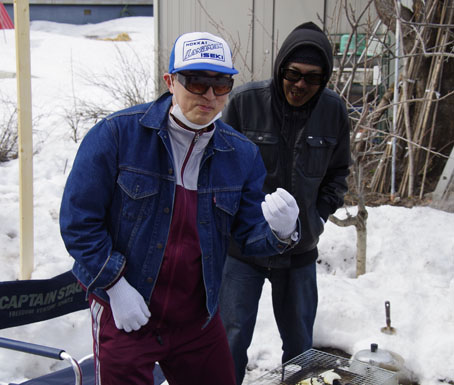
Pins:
x: 422, y: 128
x: 8, y: 130
x: 426, y: 62
x: 128, y: 84
x: 426, y: 88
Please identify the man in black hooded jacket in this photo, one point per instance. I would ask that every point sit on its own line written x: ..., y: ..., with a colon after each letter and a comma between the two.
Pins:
x: 302, y: 130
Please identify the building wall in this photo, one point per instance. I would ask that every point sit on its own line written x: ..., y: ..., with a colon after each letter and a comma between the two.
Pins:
x: 83, y: 11
x: 253, y: 28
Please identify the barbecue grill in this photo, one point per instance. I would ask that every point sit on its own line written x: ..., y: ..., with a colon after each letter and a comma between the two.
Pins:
x: 313, y: 363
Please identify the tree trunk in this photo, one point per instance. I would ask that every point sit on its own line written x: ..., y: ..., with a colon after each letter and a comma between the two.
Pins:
x: 361, y: 240
x: 360, y: 223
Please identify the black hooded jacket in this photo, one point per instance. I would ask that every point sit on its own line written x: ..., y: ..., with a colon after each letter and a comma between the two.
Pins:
x: 306, y: 150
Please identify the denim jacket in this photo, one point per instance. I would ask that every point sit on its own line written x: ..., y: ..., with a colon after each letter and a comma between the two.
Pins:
x: 117, y: 205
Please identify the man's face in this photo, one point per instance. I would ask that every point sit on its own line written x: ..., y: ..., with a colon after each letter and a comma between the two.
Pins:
x: 199, y: 109
x: 300, y: 92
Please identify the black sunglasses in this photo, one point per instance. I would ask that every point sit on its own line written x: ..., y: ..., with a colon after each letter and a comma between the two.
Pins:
x: 295, y: 76
x: 199, y: 85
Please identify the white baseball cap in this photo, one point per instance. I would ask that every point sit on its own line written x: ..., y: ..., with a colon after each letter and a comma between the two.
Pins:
x: 201, y: 51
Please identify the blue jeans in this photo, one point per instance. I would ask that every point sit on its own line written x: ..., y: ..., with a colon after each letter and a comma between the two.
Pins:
x: 294, y: 297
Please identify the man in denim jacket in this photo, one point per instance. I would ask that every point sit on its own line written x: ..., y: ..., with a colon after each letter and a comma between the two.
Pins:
x: 153, y: 196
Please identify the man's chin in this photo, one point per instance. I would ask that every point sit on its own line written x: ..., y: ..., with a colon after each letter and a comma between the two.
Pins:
x: 295, y: 101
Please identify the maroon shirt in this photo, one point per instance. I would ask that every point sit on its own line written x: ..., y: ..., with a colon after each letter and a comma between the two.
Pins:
x: 179, y: 295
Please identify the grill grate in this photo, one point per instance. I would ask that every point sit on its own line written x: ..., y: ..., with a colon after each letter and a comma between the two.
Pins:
x: 313, y: 362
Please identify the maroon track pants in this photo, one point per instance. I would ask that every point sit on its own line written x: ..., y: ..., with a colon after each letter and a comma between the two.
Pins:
x: 187, y: 355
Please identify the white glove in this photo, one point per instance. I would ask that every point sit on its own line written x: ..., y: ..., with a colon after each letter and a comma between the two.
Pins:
x: 129, y: 309
x: 281, y: 212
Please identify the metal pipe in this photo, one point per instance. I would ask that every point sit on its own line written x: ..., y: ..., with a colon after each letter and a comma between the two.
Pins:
x: 396, y: 101
x: 75, y: 365
x: 325, y: 4
x: 43, y: 351
x: 27, y: 347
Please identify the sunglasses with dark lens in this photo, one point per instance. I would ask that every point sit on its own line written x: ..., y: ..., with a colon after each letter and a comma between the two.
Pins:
x: 295, y: 76
x: 199, y: 85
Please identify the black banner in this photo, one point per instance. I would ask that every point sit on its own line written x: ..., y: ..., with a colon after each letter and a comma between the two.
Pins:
x: 28, y: 301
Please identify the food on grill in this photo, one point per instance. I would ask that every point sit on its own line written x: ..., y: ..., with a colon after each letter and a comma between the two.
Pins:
x: 311, y: 381
x: 327, y: 377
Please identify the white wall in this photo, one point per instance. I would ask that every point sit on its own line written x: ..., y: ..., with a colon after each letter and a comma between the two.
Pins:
x: 249, y: 26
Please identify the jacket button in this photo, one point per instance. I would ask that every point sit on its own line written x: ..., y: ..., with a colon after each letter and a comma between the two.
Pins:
x: 150, y: 279
x: 159, y: 245
x: 166, y: 210
x: 207, y: 256
x: 170, y: 170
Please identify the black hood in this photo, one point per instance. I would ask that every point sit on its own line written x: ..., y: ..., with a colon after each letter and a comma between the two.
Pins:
x: 306, y: 34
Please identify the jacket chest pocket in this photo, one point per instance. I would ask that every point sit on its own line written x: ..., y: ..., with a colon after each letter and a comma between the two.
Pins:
x: 317, y: 155
x: 226, y: 205
x: 268, y: 146
x: 139, y: 194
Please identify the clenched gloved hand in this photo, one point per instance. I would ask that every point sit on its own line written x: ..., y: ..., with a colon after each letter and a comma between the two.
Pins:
x: 281, y: 212
x: 129, y: 309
